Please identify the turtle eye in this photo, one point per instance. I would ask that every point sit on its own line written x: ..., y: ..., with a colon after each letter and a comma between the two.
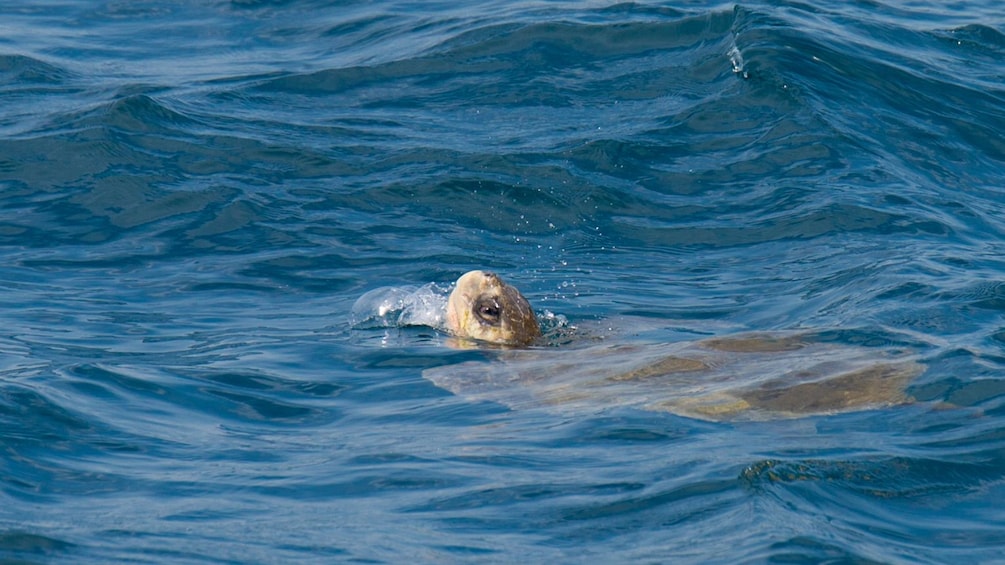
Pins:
x: 487, y: 311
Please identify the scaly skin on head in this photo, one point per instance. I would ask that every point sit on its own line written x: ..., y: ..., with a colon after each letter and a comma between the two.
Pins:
x: 485, y: 308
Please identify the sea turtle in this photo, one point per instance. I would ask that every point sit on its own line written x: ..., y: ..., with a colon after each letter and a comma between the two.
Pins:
x: 762, y: 375
x: 485, y: 308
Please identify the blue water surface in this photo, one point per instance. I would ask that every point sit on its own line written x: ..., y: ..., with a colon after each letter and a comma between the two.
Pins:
x: 193, y: 195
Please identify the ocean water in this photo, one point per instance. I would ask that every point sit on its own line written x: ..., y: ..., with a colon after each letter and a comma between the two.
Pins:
x: 194, y: 195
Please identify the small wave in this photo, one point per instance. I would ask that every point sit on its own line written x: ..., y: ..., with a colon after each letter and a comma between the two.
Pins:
x: 22, y: 70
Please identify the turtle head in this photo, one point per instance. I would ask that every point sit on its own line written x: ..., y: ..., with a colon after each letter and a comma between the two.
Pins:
x: 485, y: 308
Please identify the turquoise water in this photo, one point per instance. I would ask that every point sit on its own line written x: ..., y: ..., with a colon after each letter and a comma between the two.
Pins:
x: 193, y: 196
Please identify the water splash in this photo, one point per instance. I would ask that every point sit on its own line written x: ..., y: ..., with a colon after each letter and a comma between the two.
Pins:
x: 736, y: 59
x: 401, y: 306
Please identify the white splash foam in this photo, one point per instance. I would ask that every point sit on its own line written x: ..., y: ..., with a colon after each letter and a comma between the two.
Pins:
x: 736, y: 59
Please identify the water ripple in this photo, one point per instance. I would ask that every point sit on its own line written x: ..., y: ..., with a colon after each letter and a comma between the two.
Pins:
x: 194, y: 196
